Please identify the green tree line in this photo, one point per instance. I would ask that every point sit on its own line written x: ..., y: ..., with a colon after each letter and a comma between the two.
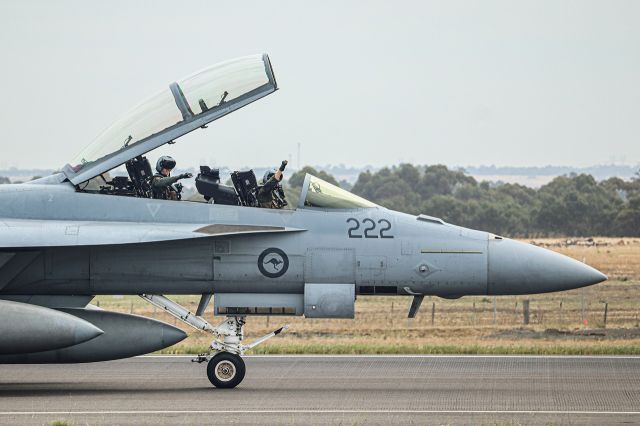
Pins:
x: 574, y: 205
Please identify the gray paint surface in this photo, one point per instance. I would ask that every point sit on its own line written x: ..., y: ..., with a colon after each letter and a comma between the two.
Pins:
x: 35, y: 329
x: 123, y: 336
x: 126, y: 240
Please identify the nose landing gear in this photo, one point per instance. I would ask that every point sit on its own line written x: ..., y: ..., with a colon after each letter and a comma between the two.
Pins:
x: 225, y: 367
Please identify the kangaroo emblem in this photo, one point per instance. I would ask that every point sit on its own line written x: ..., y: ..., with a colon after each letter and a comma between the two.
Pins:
x: 278, y: 260
x: 274, y: 262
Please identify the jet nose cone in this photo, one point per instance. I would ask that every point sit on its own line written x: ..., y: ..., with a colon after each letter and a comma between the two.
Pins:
x: 520, y: 268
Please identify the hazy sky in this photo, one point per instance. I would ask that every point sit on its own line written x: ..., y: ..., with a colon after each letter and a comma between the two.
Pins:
x: 460, y: 83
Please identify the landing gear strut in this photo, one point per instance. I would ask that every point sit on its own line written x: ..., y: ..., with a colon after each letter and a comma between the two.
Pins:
x: 225, y: 367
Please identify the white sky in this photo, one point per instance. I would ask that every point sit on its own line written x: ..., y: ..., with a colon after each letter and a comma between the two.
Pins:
x: 460, y: 83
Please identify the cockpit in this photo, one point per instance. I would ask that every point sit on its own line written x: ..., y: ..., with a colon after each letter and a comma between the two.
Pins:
x: 316, y: 193
x: 184, y: 106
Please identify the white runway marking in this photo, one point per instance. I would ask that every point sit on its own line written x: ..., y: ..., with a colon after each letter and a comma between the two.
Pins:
x: 552, y: 412
x: 417, y: 356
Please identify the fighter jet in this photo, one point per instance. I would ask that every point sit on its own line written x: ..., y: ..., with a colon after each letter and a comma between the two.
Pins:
x: 87, y: 231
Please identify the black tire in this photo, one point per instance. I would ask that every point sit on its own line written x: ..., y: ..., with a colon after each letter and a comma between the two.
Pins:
x: 226, y: 370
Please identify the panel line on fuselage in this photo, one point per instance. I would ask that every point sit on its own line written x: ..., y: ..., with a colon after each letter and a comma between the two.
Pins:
x: 435, y: 251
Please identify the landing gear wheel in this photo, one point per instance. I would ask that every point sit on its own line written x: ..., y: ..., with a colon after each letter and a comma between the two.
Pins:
x: 225, y: 370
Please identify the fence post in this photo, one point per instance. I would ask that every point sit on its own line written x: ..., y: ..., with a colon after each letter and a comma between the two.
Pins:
x: 525, y: 311
x: 606, y: 309
x: 495, y: 309
x: 582, y: 301
x: 433, y: 313
x: 391, y: 319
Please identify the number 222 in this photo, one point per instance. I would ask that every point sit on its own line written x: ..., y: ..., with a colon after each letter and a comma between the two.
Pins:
x: 370, y: 227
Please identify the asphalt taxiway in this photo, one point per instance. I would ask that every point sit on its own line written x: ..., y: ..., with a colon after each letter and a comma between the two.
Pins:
x: 329, y: 389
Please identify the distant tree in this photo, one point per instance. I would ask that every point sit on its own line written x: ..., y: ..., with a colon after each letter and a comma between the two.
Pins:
x: 390, y: 188
x: 4, y: 180
x: 344, y: 184
x: 449, y: 209
x: 409, y: 174
x: 576, y: 205
x: 627, y: 221
x: 439, y: 179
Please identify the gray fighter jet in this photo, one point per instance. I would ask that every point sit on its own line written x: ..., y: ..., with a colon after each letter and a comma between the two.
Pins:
x: 93, y: 229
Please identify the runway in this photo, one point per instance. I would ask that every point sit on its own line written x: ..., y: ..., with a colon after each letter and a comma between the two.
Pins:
x: 329, y: 389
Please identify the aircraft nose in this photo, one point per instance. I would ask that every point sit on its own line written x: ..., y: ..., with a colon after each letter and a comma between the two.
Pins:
x: 520, y: 268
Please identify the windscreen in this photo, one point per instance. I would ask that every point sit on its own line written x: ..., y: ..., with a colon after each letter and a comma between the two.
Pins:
x: 322, y: 194
x: 203, y: 91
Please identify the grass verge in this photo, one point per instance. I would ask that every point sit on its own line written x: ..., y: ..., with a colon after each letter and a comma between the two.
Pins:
x: 367, y: 349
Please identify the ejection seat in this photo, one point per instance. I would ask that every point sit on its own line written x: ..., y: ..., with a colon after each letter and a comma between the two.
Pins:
x: 247, y: 187
x: 208, y: 184
x: 140, y: 174
x: 243, y: 192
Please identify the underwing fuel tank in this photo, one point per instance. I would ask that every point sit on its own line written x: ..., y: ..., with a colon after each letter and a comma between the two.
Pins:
x: 124, y: 336
x: 30, y: 328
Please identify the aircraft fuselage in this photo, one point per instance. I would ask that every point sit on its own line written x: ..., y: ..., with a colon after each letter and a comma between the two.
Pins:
x: 381, y: 251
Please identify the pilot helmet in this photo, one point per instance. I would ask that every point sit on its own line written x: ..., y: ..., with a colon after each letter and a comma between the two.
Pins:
x: 165, y: 162
x: 267, y: 175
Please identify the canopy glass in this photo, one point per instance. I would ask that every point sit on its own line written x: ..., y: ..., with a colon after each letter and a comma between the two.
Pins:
x: 321, y: 194
x: 200, y: 94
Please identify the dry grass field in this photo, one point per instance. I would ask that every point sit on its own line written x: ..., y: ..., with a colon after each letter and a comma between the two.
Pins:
x: 571, y: 322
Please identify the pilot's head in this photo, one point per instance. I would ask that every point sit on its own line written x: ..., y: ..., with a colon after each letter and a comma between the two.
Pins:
x: 267, y: 175
x: 165, y: 164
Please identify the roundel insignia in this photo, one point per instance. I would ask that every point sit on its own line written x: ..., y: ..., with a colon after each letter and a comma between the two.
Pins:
x: 273, y: 263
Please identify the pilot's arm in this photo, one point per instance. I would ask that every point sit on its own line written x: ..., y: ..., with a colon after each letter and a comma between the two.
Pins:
x: 278, y: 175
x: 266, y: 192
x: 271, y: 184
x: 159, y: 183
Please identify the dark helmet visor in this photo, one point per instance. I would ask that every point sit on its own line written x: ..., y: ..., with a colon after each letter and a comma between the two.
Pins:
x: 168, y: 163
x: 267, y: 176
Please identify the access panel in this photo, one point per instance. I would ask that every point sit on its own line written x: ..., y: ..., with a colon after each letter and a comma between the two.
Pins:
x: 329, y: 300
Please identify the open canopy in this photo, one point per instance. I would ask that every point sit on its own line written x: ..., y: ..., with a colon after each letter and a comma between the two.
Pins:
x: 319, y: 193
x: 182, y: 107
